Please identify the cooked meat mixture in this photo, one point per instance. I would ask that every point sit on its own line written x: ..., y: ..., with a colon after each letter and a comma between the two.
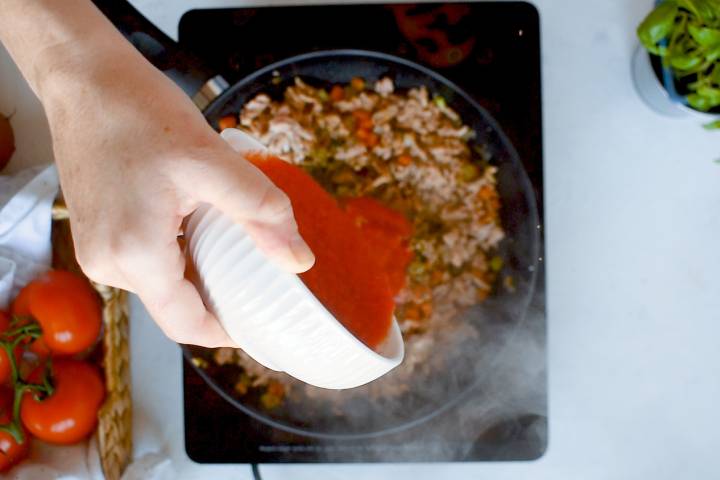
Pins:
x: 412, y: 152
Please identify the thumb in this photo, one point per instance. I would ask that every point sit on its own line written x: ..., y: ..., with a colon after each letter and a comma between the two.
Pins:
x: 241, y: 191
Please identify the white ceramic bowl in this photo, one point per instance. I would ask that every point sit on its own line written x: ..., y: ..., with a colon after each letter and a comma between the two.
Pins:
x: 269, y: 312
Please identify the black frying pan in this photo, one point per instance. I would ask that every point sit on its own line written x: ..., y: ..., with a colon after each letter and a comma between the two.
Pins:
x: 462, y: 364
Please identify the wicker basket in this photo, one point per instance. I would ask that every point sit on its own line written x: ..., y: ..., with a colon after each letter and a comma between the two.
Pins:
x: 115, y: 415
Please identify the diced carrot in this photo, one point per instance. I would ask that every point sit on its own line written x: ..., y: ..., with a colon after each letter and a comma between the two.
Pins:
x: 426, y: 308
x: 371, y: 140
x: 436, y: 277
x: 276, y: 388
x: 241, y: 387
x: 269, y: 401
x: 362, y: 134
x: 357, y: 83
x: 486, y: 193
x: 345, y: 175
x: 228, y: 121
x: 420, y: 290
x: 412, y: 313
x: 361, y: 114
x: 337, y: 93
x: 404, y: 160
x: 366, y: 123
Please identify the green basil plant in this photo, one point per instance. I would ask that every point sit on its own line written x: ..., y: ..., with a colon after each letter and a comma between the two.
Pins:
x: 686, y: 34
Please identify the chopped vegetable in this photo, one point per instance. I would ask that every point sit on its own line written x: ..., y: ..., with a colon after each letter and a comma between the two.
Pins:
x: 345, y: 175
x: 365, y: 123
x: 417, y: 268
x: 337, y: 93
x: 228, y: 121
x: 486, y: 193
x: 363, y: 119
x: 509, y: 283
x: 357, y: 83
x: 496, y: 263
x: 277, y: 389
x: 200, y: 362
x: 412, y: 312
x: 404, y: 160
x: 270, y: 401
x: 469, y: 172
x: 371, y: 140
x: 440, y: 102
x: 320, y: 156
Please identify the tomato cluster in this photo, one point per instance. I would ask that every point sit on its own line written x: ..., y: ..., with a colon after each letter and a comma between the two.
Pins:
x: 47, y: 390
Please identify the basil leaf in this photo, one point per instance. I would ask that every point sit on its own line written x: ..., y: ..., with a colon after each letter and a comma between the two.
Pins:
x: 715, y: 75
x: 706, y: 10
x: 658, y: 24
x: 684, y: 61
x: 711, y: 94
x: 707, y: 37
x: 713, y: 54
x: 698, y: 102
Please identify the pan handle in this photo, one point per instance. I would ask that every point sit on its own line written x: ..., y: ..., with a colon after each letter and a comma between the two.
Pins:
x: 187, y: 70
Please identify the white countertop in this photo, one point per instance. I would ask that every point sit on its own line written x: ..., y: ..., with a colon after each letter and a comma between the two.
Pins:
x: 633, y: 249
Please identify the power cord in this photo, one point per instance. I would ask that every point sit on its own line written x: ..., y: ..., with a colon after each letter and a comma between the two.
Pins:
x: 256, y: 471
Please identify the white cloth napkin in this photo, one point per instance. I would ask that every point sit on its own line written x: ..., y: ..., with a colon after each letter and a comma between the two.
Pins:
x: 26, y: 200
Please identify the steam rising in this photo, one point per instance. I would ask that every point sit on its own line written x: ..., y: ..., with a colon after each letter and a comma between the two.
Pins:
x: 502, y: 417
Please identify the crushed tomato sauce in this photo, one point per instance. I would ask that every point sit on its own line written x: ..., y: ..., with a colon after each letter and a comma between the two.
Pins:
x: 361, y: 250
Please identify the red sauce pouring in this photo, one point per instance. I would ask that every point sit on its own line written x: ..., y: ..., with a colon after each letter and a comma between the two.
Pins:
x: 361, y: 250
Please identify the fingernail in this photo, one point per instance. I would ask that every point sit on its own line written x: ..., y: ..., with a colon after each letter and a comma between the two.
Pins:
x: 302, y: 253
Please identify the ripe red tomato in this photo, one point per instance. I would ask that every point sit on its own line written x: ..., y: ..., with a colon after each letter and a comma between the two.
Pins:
x: 70, y: 413
x: 67, y: 308
x: 11, y: 452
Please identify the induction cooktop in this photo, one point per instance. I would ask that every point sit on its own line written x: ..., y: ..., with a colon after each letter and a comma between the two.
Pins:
x: 492, y: 51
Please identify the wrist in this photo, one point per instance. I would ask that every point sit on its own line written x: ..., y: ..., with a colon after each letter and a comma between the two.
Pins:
x: 61, y: 70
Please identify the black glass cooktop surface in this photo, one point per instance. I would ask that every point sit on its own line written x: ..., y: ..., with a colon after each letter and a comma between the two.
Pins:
x: 492, y: 51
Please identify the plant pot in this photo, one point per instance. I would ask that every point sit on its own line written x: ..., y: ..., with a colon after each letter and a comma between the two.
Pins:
x: 648, y: 77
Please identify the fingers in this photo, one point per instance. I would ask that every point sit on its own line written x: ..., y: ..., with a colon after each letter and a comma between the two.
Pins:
x: 172, y: 301
x: 241, y: 191
x: 152, y: 268
x: 182, y: 316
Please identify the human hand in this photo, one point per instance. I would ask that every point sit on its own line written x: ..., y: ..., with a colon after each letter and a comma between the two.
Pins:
x: 135, y: 157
